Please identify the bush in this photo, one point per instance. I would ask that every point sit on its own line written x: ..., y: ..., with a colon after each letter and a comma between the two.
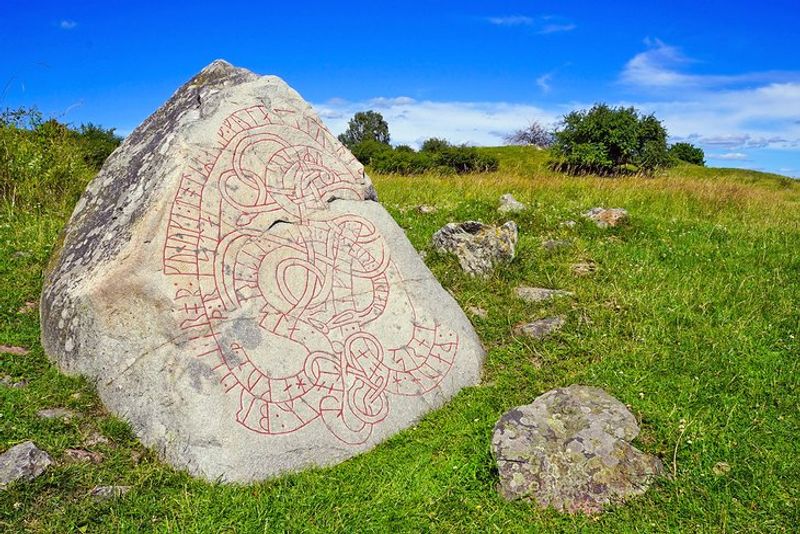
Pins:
x: 441, y: 159
x: 534, y: 135
x: 365, y: 151
x: 98, y: 143
x: 607, y: 141
x: 45, y: 164
x: 688, y: 152
x: 402, y: 162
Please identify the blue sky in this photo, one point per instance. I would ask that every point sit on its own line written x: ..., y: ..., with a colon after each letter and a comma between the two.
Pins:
x: 723, y: 75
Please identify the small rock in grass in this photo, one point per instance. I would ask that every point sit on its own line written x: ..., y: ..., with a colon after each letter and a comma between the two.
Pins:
x: 25, y: 461
x: 607, y: 218
x: 16, y: 351
x: 541, y: 328
x: 584, y: 268
x: 478, y: 312
x: 27, y: 307
x: 8, y: 382
x: 479, y: 247
x: 82, y: 455
x: 425, y: 209
x: 721, y: 468
x: 555, y: 244
x: 569, y: 224
x: 95, y: 439
x: 538, y: 294
x: 104, y: 493
x: 509, y: 204
x: 56, y: 413
x: 570, y: 449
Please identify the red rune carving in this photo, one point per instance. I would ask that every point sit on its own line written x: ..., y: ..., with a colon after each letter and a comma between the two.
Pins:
x: 293, y: 315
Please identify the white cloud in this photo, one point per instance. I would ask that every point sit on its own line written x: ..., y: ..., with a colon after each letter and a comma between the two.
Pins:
x: 556, y: 28
x: 411, y: 121
x: 544, y: 25
x: 511, y: 20
x: 735, y: 156
x: 661, y: 66
x: 67, y: 24
x: 543, y: 82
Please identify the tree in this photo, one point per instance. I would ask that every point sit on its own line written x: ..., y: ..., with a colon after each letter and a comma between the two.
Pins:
x: 688, y: 152
x: 606, y: 140
x: 365, y: 126
x: 534, y: 135
x: 435, y: 144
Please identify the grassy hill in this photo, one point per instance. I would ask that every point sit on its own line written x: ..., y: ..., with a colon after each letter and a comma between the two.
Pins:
x: 690, y: 319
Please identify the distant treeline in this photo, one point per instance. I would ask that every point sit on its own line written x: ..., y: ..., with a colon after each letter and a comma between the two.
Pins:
x: 603, y: 140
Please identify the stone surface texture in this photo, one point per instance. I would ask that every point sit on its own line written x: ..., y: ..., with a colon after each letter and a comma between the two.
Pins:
x: 509, y: 204
x: 234, y: 290
x: 607, y: 217
x: 479, y: 247
x: 541, y: 328
x: 22, y: 462
x: 539, y: 294
x: 570, y: 450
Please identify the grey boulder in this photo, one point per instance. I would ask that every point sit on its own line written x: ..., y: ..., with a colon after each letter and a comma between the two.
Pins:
x: 540, y: 328
x: 570, y: 449
x: 607, y: 217
x: 232, y: 287
x: 539, y: 294
x: 509, y: 204
x: 479, y: 247
x: 22, y: 462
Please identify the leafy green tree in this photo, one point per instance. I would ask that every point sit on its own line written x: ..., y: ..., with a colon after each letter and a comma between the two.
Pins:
x: 434, y: 144
x: 688, y: 152
x: 606, y: 140
x: 365, y: 126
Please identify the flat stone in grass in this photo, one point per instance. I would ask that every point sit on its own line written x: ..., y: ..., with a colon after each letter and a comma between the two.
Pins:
x: 426, y: 209
x: 56, y: 413
x: 104, y: 493
x: 570, y: 450
x: 7, y: 381
x: 584, y: 268
x: 540, y: 328
x: 478, y: 312
x: 14, y: 350
x: 82, y: 455
x: 509, y: 204
x: 555, y: 244
x: 539, y: 294
x: 233, y: 288
x: 22, y: 462
x: 479, y: 247
x: 607, y: 218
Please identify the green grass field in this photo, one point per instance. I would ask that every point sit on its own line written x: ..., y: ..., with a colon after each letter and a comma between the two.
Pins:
x: 691, y: 319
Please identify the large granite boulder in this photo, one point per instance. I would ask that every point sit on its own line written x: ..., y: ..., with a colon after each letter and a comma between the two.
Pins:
x: 233, y: 288
x: 570, y: 449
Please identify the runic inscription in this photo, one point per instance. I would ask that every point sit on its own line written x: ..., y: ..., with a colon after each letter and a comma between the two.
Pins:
x: 291, y: 302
